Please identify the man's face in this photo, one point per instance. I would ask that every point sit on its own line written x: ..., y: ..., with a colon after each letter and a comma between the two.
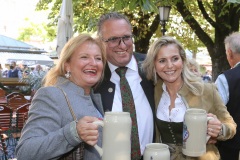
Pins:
x: 117, y: 35
x: 12, y: 65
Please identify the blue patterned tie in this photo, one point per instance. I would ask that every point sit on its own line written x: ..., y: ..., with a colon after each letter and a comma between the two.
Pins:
x: 128, y: 106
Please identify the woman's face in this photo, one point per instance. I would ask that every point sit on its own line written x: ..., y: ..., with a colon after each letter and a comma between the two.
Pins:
x: 194, y: 70
x: 86, y: 65
x: 169, y: 64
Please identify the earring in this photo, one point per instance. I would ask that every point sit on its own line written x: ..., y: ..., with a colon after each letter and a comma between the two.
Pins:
x: 68, y: 75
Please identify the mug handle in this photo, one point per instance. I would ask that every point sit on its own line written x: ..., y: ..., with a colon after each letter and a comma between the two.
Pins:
x: 208, y: 137
x: 99, y: 149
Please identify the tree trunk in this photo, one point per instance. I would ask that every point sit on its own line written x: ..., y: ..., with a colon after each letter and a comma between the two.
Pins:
x: 142, y: 39
x: 219, y: 65
x: 224, y: 23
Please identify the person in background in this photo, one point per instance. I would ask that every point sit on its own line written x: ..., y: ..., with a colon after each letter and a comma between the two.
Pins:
x: 13, y: 71
x: 228, y: 84
x: 5, y: 73
x: 207, y: 77
x: 115, y: 30
x: 194, y: 67
x: 37, y: 74
x: 37, y: 70
x: 59, y: 124
x: 176, y: 89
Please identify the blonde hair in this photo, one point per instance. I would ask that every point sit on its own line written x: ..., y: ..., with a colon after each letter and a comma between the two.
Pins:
x: 193, y: 63
x: 148, y: 65
x: 66, y: 53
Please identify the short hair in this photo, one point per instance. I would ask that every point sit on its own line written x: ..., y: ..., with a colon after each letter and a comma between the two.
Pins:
x: 65, y: 56
x: 110, y: 16
x: 233, y: 42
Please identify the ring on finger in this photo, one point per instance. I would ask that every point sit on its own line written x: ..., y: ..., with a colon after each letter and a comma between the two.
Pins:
x: 211, y: 130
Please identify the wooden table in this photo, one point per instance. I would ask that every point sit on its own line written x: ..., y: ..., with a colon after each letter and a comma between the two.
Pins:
x: 12, y: 82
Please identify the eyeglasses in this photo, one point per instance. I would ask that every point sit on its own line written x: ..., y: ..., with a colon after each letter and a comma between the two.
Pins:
x: 115, y: 41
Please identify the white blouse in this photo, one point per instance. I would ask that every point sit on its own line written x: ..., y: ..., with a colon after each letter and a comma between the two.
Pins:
x: 176, y: 114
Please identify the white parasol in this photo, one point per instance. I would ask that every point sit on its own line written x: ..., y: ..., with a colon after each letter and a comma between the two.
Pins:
x: 65, y: 23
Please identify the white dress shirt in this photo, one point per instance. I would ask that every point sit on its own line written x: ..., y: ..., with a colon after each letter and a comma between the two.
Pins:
x: 176, y: 114
x: 222, y: 86
x: 142, y: 106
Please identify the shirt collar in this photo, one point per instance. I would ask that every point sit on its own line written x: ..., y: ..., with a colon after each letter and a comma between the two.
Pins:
x: 164, y: 87
x: 131, y: 65
x: 236, y: 65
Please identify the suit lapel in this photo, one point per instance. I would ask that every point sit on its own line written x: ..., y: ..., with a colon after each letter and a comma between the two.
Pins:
x: 106, y: 89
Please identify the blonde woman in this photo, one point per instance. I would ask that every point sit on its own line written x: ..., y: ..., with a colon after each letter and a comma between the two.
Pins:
x: 62, y: 112
x: 176, y: 89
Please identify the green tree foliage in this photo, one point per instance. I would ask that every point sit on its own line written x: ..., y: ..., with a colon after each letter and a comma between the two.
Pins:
x: 142, y: 14
x: 42, y: 32
x: 220, y: 19
x: 194, y: 22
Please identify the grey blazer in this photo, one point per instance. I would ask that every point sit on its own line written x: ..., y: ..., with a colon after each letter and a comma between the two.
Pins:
x: 49, y: 131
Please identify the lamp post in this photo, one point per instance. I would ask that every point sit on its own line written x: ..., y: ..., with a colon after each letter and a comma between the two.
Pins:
x: 164, y: 15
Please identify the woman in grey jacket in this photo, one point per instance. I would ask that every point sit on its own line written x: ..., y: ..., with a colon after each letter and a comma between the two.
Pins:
x: 61, y: 113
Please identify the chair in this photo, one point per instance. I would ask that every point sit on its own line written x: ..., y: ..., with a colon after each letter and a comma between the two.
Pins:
x: 5, y: 118
x: 21, y: 116
x: 7, y: 126
x: 2, y: 93
x: 16, y: 100
x: 14, y: 94
x: 3, y: 99
x: 3, y: 146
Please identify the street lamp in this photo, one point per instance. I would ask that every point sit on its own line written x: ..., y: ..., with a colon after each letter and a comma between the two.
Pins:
x: 164, y: 15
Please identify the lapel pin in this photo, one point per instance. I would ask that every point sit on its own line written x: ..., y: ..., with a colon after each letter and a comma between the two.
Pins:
x: 110, y: 90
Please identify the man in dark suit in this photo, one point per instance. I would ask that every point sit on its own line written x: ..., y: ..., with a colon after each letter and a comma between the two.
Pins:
x: 115, y: 30
x: 228, y: 84
x: 14, y: 71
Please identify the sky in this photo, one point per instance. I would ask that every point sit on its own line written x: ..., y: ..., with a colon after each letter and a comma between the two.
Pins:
x: 13, y: 14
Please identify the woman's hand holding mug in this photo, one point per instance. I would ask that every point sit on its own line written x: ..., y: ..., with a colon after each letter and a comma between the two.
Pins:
x: 87, y: 130
x: 214, y: 128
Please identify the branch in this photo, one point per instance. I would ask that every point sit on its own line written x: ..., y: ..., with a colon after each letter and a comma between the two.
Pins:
x: 188, y: 17
x: 205, y: 15
x: 234, y: 16
x: 154, y: 26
